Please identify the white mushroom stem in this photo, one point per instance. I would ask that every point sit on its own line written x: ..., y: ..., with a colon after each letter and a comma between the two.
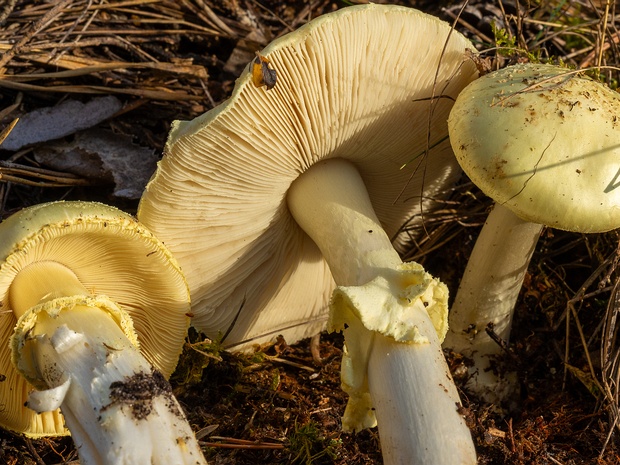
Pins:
x: 118, y: 409
x: 487, y: 294
x: 393, y: 364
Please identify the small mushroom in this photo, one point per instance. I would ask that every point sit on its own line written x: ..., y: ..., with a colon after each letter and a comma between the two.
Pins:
x: 544, y: 143
x: 93, y: 320
x: 275, y: 196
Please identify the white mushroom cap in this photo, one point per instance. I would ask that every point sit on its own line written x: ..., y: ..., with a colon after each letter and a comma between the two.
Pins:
x: 116, y: 259
x: 356, y: 84
x: 543, y: 142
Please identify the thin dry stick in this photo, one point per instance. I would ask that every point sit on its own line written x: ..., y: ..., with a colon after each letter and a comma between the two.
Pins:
x: 214, y: 20
x: 469, y: 27
x: 581, y: 293
x: 34, y: 452
x: 601, y: 41
x: 289, y: 362
x: 6, y: 10
x: 434, y: 101
x: 609, y: 363
x: 233, y: 443
x: 117, y: 5
x: 585, y: 347
x: 162, y: 94
x: 78, y: 21
x: 19, y: 174
x: 11, y: 108
x: 6, y: 131
x: 13, y: 172
x: 193, y: 70
x: 45, y: 20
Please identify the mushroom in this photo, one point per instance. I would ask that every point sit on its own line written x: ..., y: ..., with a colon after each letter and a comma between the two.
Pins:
x: 94, y: 316
x: 544, y: 143
x: 278, y: 194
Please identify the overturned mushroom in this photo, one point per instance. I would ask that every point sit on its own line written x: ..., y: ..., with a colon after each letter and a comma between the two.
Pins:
x: 266, y: 197
x: 95, y: 309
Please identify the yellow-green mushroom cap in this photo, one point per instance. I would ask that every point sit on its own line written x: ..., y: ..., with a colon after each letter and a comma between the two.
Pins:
x: 371, y: 84
x: 116, y: 259
x: 544, y: 142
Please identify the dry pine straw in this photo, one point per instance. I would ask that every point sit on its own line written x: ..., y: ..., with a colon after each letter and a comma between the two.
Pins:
x: 172, y: 59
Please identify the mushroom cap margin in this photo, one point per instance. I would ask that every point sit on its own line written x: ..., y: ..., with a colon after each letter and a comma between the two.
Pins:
x: 350, y: 84
x: 113, y: 255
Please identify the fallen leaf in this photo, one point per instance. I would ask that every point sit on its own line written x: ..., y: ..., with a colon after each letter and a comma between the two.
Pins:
x: 104, y: 156
x: 66, y: 118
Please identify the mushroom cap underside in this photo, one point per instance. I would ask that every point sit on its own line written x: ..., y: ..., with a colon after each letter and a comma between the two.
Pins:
x: 543, y: 141
x: 372, y: 84
x: 113, y: 256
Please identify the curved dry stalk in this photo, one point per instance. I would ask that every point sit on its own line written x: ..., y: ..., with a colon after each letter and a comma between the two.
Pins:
x: 610, y: 364
x: 7, y: 130
x: 20, y: 174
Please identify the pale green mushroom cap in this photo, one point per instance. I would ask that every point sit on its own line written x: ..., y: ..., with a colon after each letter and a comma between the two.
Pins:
x: 126, y: 269
x: 544, y: 142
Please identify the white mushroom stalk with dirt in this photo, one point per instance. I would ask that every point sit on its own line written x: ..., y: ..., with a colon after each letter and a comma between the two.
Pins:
x: 295, y: 187
x: 544, y: 143
x: 94, y: 320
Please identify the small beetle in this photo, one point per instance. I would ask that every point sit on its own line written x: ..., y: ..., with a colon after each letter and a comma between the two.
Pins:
x: 262, y: 74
